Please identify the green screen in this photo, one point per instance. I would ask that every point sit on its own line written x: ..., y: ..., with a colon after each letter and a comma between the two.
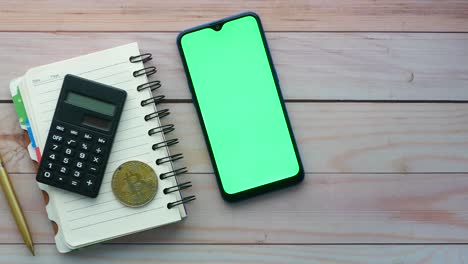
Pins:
x: 239, y: 104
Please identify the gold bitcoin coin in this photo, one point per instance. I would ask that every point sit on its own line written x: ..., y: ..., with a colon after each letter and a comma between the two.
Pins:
x: 134, y: 183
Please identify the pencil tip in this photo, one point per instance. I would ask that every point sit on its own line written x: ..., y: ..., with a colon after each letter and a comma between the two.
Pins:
x: 31, y: 248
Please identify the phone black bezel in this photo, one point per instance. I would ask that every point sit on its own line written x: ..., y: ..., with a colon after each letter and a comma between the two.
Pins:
x: 292, y: 180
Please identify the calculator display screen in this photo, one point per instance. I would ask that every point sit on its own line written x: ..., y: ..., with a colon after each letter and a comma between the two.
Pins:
x: 97, y: 122
x: 90, y: 103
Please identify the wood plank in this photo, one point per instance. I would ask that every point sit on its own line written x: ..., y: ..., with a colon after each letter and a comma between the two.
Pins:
x: 325, y: 208
x: 203, y: 254
x: 300, y: 15
x: 332, y: 137
x: 356, y: 137
x: 317, y: 66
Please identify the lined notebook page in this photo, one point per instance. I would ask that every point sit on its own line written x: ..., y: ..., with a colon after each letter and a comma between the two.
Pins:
x: 85, y: 220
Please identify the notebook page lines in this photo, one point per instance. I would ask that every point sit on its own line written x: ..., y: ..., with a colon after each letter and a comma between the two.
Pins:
x: 57, y: 77
x: 82, y: 213
x: 116, y: 76
x: 106, y: 210
x: 154, y: 207
x: 104, y: 216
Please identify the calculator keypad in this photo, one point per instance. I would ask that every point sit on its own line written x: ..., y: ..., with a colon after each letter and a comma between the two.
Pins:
x: 74, y: 159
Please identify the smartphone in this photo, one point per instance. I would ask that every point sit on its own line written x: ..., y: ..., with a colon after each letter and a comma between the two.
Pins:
x: 242, y: 114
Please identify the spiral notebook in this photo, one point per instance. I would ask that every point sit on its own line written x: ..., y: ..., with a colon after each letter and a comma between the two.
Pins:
x: 140, y: 136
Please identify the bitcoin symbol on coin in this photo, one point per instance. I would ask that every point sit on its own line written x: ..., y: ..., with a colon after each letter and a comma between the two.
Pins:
x: 134, y: 183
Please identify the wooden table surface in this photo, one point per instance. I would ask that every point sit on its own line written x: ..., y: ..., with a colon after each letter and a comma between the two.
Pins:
x: 377, y: 92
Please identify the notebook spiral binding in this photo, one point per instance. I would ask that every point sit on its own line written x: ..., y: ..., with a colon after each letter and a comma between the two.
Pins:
x: 165, y: 129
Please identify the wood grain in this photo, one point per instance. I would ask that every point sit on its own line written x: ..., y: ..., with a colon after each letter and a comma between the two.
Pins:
x: 356, y: 137
x: 206, y: 254
x: 377, y: 173
x: 299, y: 15
x: 325, y: 208
x: 332, y: 137
x: 311, y: 66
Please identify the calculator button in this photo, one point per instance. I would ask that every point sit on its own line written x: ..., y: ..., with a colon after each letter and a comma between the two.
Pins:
x: 74, y: 183
x: 63, y: 170
x: 55, y: 147
x: 87, y: 136
x: 84, y: 146
x: 83, y: 155
x: 96, y: 160
x: 60, y: 128
x: 69, y: 152
x: 98, y: 150
x: 93, y: 169
x: 73, y: 132
x: 57, y: 138
x: 71, y: 143
x: 89, y: 185
x: 66, y: 160
x: 50, y: 165
x: 101, y: 140
x: 52, y: 156
x: 79, y: 164
x: 59, y: 179
x: 47, y: 174
x: 77, y: 173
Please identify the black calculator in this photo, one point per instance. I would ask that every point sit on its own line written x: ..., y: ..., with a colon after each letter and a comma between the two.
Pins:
x: 81, y: 134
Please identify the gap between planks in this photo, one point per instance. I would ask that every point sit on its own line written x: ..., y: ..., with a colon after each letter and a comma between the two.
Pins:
x: 188, y: 101
x: 250, y: 244
x: 266, y: 31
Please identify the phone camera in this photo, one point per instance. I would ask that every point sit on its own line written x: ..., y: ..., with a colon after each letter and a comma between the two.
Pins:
x: 217, y: 27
